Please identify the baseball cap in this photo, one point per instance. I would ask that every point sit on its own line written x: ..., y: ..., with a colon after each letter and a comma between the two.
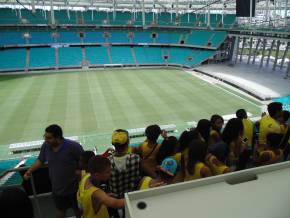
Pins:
x: 120, y: 137
x: 168, y: 166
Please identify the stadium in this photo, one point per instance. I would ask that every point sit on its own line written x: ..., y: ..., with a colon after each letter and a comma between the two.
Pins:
x: 96, y: 66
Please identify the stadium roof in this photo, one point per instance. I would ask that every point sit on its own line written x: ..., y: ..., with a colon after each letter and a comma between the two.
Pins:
x: 158, y: 5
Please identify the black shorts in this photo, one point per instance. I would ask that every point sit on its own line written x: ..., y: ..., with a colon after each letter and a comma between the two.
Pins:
x: 65, y: 202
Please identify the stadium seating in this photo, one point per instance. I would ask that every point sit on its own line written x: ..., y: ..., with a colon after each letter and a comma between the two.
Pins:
x: 8, y: 164
x: 97, y: 55
x: 13, y: 58
x: 70, y: 56
x: 217, y: 38
x: 200, y: 38
x: 40, y: 38
x: 125, y: 58
x: 146, y: 55
x: 34, y: 18
x: 63, y: 17
x: 68, y: 37
x: 42, y: 57
x: 188, y: 57
x: 121, y: 18
x: 10, y: 16
x: 142, y: 37
x: 94, y: 37
x: 168, y: 37
x: 179, y: 56
x: 118, y: 37
x: 11, y: 38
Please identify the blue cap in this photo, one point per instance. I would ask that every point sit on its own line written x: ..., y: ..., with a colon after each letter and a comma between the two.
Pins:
x: 168, y: 166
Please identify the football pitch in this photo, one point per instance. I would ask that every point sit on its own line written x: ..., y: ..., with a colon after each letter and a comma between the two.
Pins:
x: 97, y: 102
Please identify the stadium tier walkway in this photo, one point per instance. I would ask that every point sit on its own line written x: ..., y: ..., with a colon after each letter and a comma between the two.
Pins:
x: 261, y: 81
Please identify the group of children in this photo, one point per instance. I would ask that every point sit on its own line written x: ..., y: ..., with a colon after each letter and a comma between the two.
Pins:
x: 209, y: 149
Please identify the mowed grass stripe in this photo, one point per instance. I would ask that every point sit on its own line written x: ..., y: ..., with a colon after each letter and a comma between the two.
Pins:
x: 40, y: 109
x: 20, y: 116
x: 165, y: 100
x: 120, y: 84
x: 57, y: 109
x: 217, y: 100
x: 231, y: 101
x: 183, y: 93
x: 10, y: 103
x: 98, y: 102
x: 102, y: 109
x: 128, y: 107
x: 143, y: 100
x: 73, y: 115
x: 86, y: 110
x: 118, y: 113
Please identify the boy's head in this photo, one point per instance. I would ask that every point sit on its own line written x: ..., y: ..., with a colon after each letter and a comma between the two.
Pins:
x: 274, y: 140
x: 153, y: 132
x: 120, y: 139
x: 217, y: 122
x: 168, y: 168
x: 241, y: 114
x: 84, y: 159
x: 275, y: 109
x: 100, y: 168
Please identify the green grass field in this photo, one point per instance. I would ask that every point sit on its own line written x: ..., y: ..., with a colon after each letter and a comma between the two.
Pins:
x: 97, y: 102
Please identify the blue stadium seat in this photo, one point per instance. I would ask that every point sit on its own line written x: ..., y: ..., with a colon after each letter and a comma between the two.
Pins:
x: 97, y: 55
x: 70, y: 56
x: 11, y: 38
x: 40, y: 38
x: 42, y: 57
x: 94, y: 37
x: 68, y: 37
x: 13, y: 58
x: 149, y: 55
x: 125, y: 58
x: 119, y: 37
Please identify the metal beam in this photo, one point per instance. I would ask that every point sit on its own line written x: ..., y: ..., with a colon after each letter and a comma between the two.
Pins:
x: 250, y: 52
x: 285, y: 14
x: 143, y: 14
x: 236, y: 48
x: 270, y: 51
x: 287, y: 71
x: 256, y: 50
x: 33, y: 6
x: 284, y: 55
x: 52, y: 12
x: 242, y: 50
x: 276, y: 55
x: 263, y: 52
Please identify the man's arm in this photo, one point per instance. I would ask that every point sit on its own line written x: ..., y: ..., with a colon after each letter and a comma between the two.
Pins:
x: 37, y: 164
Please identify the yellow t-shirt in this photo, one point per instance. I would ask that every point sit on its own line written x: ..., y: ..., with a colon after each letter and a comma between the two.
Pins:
x: 145, y: 183
x: 217, y: 167
x: 83, y: 173
x: 267, y: 125
x: 248, y: 132
x: 197, y: 172
x: 81, y: 189
x: 214, y: 137
x: 147, y: 152
x: 87, y: 205
x: 177, y: 158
